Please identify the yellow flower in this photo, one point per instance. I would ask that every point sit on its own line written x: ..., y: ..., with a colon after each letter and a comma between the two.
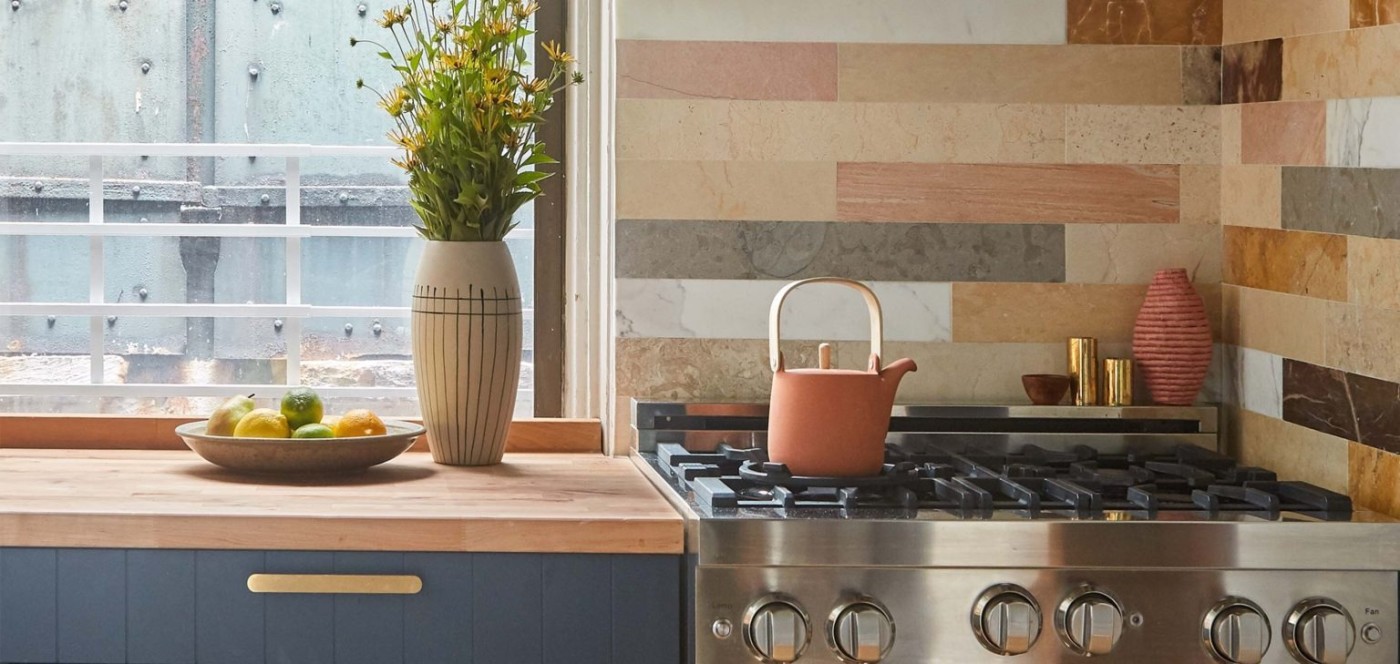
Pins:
x: 413, y: 142
x: 393, y: 16
x: 536, y: 86
x: 396, y: 102
x: 524, y: 11
x: 446, y: 25
x: 556, y: 52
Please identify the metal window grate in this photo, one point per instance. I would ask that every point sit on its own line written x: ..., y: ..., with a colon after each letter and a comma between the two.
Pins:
x: 291, y: 231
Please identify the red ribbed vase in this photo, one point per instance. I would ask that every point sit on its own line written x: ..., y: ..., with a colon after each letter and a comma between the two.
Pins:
x: 1171, y: 339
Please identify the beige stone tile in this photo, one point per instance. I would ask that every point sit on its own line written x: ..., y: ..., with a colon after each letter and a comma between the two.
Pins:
x: 1008, y: 193
x: 1363, y: 340
x: 1373, y: 270
x: 1045, y: 313
x: 1132, y: 253
x: 1292, y: 451
x: 1355, y: 63
x: 842, y: 131
x: 1371, y: 479
x: 1231, y: 134
x: 1251, y: 195
x: 1200, y: 194
x: 741, y: 190
x: 1278, y: 323
x: 893, y: 21
x: 1142, y: 134
x: 1253, y: 20
x: 1032, y: 74
x: 701, y: 369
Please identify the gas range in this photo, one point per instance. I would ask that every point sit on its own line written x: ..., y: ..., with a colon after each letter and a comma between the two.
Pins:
x: 1040, y: 534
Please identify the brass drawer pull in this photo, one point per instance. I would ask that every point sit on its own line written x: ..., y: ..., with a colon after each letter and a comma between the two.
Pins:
x: 336, y: 584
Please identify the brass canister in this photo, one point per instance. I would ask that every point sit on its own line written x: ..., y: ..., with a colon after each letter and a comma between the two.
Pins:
x: 1084, y: 370
x: 1117, y: 382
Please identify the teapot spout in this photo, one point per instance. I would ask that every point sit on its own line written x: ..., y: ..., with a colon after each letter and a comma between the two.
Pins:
x: 894, y: 372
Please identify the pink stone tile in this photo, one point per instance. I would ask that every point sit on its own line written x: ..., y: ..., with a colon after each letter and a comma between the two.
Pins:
x: 726, y: 70
x: 1008, y: 193
x: 1284, y: 133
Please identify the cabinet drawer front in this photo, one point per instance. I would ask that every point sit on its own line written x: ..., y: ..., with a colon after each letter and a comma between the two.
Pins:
x: 95, y: 606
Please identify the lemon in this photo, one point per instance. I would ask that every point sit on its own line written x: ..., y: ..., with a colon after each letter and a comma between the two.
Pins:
x: 302, y: 406
x: 359, y: 423
x: 313, y: 430
x: 262, y: 423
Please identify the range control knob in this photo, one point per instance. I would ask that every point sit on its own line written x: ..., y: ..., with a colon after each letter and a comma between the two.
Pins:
x: 1006, y: 620
x: 1236, y: 631
x: 1090, y: 622
x: 861, y: 632
x: 776, y: 630
x: 1319, y: 631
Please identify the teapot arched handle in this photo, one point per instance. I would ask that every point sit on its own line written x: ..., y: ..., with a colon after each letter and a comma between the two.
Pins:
x: 872, y: 303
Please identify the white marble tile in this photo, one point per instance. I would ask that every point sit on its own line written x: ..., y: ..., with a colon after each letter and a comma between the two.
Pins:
x: 869, y: 21
x: 1364, y: 132
x: 1254, y: 380
x: 738, y: 309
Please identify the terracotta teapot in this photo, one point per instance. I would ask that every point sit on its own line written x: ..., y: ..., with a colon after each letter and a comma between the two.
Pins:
x: 831, y: 422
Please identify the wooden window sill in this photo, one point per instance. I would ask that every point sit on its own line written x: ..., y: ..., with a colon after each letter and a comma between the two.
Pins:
x: 116, y: 432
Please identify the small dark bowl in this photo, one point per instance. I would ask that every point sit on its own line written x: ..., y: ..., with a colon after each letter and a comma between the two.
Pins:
x: 1045, y: 389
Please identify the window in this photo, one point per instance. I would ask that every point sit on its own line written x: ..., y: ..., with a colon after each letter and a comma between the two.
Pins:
x: 229, y: 221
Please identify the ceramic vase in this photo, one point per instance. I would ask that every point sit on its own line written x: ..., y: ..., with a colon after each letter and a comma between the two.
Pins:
x: 466, y: 349
x: 1172, y: 340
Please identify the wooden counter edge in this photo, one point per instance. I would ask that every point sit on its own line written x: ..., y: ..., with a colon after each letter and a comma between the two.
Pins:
x: 617, y: 536
x: 115, y: 432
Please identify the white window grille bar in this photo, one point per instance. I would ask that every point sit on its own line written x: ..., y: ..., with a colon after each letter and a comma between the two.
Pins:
x: 217, y: 230
x: 96, y: 272
x: 163, y: 390
x: 291, y: 329
x: 194, y: 150
x: 177, y: 309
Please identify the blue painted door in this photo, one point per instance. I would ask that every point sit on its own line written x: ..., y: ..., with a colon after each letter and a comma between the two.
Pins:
x: 95, y: 606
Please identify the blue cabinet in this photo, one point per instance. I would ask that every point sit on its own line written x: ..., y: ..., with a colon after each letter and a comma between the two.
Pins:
x: 95, y: 606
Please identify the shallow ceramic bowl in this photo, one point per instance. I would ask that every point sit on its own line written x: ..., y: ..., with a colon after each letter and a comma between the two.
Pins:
x: 1045, y: 389
x: 300, y: 456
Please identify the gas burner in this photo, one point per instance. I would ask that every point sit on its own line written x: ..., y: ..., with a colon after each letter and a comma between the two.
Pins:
x: 777, y: 474
x: 1032, y: 482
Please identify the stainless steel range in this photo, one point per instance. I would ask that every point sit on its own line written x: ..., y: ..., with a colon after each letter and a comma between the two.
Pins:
x: 1021, y: 534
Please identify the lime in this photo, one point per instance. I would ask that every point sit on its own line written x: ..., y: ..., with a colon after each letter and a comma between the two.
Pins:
x: 302, y: 406
x: 262, y: 423
x: 359, y: 423
x: 314, y: 430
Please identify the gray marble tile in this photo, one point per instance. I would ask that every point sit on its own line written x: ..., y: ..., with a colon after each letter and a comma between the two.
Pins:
x: 1350, y: 201
x: 1200, y: 75
x: 873, y: 251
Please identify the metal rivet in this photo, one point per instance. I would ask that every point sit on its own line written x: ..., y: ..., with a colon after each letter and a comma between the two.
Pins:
x: 349, y: 329
x: 344, y: 197
x: 144, y: 220
x: 122, y: 5
x: 277, y: 324
x: 362, y: 9
x: 143, y: 293
x: 52, y: 320
x: 276, y: 7
x: 14, y: 4
x: 265, y: 199
x: 38, y: 186
x: 378, y: 329
x: 136, y: 191
x: 144, y: 157
x: 253, y: 71
x: 145, y: 68
x: 111, y: 320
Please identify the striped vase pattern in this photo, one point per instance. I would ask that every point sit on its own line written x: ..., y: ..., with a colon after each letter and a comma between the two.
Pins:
x: 1172, y: 340
x: 467, y: 349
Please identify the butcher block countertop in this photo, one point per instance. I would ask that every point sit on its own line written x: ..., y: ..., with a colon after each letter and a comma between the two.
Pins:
x: 547, y: 503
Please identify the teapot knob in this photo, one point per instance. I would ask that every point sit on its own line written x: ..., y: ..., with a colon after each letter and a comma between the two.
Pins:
x: 824, y: 356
